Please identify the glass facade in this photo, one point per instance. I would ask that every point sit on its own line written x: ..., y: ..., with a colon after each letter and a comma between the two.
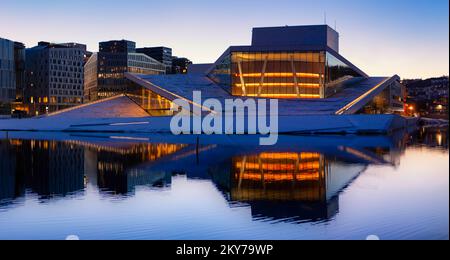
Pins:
x: 390, y: 101
x: 281, y: 74
x: 19, y: 57
x: 90, y: 79
x: 152, y: 103
x: 280, y: 176
x: 222, y: 73
x: 277, y: 75
x: 336, y: 72
x: 112, y: 67
x: 143, y: 64
x: 161, y: 54
x: 7, y: 71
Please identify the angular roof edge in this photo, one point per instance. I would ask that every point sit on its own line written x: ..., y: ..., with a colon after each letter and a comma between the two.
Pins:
x: 359, y: 102
x: 285, y: 49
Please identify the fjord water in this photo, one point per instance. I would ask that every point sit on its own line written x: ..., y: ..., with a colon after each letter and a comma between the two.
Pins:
x: 95, y: 186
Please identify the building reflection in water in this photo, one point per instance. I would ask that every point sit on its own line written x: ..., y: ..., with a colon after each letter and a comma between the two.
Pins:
x: 46, y: 168
x: 120, y: 172
x: 54, y: 169
x: 294, y: 183
x: 295, y: 179
x: 288, y: 186
x: 431, y: 137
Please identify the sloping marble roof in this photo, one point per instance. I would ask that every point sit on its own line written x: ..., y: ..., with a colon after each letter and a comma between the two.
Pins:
x: 183, y: 85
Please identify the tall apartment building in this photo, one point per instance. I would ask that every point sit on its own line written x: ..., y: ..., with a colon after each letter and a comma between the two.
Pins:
x: 12, y: 74
x: 54, y: 77
x: 7, y: 71
x: 161, y: 54
x: 105, y: 71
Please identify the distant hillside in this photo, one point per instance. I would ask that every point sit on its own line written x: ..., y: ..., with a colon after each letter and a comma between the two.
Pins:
x: 428, y: 97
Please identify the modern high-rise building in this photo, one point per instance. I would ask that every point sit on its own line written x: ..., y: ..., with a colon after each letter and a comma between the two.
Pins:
x: 91, y: 79
x: 104, y: 72
x: 20, y: 59
x: 161, y: 54
x: 55, y: 77
x: 12, y: 74
x: 7, y: 71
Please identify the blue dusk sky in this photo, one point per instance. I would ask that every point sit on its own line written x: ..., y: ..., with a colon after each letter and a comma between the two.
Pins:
x: 383, y: 37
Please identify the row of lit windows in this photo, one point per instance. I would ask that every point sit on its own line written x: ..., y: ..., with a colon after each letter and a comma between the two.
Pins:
x: 277, y: 75
x: 279, y: 56
x: 54, y: 100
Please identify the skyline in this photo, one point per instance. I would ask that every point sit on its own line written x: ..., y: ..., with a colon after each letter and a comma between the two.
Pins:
x: 408, y: 38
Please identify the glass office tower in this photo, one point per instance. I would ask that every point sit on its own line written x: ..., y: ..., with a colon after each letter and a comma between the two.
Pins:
x: 114, y: 59
x: 7, y: 71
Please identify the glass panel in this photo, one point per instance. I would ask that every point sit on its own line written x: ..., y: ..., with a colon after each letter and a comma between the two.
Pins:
x: 152, y: 103
x: 283, y: 74
x: 221, y: 74
x: 337, y: 72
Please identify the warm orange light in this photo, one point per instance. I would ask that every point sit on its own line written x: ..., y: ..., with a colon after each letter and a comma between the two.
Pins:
x: 267, y: 166
x: 284, y: 95
x: 292, y: 156
x: 281, y: 177
x: 279, y: 166
x: 304, y: 156
x: 411, y: 108
x: 279, y: 75
x: 304, y: 85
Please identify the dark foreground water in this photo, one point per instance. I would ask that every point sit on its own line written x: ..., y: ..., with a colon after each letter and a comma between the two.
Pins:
x: 165, y: 187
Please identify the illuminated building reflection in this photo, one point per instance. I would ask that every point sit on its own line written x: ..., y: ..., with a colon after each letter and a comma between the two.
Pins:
x: 292, y: 186
x: 52, y: 169
x: 120, y: 173
x: 295, y: 181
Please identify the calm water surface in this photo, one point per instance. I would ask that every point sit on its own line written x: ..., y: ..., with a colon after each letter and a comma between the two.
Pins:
x: 165, y: 187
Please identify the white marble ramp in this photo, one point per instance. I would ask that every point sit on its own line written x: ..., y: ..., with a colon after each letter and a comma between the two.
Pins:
x: 115, y: 107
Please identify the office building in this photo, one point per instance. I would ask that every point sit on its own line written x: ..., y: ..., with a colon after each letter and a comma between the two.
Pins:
x: 161, y: 54
x: 20, y: 59
x: 7, y: 71
x: 12, y: 74
x: 104, y: 71
x: 54, y: 77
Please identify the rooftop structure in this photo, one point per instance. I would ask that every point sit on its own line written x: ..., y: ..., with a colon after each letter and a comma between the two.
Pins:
x: 298, y: 65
